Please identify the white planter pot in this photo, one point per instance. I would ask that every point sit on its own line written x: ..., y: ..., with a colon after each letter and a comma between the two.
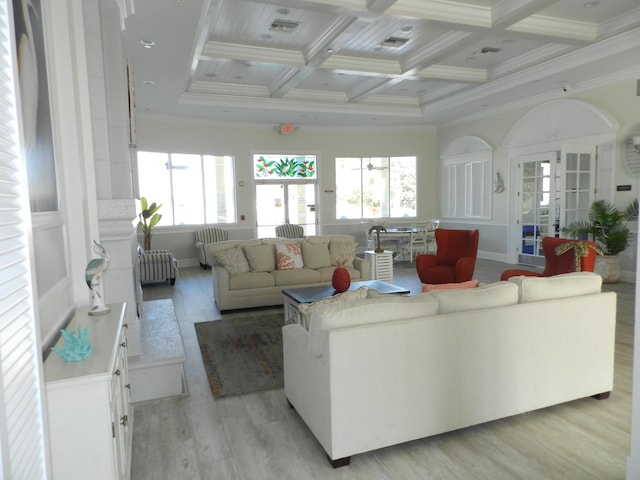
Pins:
x: 608, y: 267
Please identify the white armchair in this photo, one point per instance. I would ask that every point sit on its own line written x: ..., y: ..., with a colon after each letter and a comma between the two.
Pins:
x: 157, y: 266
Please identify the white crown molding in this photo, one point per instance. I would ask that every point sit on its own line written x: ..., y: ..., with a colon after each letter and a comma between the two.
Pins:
x: 619, y: 24
x: 532, y: 57
x: 202, y: 122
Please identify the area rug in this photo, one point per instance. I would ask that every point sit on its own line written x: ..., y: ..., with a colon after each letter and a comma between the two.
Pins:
x: 242, y: 353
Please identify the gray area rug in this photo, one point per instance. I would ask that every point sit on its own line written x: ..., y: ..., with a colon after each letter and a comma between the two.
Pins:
x: 242, y: 353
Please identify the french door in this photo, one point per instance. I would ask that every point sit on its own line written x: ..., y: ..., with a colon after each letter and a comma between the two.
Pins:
x: 285, y: 202
x: 557, y: 188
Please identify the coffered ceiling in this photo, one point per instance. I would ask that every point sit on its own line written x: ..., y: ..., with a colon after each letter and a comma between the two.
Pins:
x: 372, y: 62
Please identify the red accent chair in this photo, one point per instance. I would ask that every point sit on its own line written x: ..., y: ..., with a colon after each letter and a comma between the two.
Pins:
x: 454, y: 260
x: 557, y: 264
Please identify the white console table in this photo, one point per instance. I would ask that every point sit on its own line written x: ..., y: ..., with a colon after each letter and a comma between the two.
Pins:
x: 90, y: 419
x: 381, y: 265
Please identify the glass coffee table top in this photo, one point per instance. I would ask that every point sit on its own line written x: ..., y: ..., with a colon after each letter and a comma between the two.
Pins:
x: 313, y: 294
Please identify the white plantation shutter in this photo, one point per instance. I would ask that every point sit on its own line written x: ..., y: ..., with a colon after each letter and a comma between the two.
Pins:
x: 22, y: 440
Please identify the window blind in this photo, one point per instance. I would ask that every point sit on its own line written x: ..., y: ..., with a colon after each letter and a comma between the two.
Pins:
x: 22, y: 439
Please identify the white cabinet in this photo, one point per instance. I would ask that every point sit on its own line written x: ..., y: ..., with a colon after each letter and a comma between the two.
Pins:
x: 89, y: 414
x: 381, y: 265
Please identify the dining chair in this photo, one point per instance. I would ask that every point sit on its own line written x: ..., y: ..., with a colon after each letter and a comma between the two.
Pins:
x: 432, y: 226
x: 418, y: 240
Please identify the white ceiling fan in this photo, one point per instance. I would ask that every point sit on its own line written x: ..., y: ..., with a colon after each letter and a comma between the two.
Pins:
x: 371, y: 167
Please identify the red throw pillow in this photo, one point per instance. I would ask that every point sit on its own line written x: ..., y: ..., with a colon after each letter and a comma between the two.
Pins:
x: 428, y: 287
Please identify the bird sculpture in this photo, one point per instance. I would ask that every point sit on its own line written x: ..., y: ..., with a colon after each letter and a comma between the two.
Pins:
x: 93, y: 275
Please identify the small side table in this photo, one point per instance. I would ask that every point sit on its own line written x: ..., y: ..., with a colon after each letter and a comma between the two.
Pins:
x: 381, y: 265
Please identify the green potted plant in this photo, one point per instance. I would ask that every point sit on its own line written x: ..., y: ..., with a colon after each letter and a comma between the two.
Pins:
x: 149, y: 218
x: 607, y: 226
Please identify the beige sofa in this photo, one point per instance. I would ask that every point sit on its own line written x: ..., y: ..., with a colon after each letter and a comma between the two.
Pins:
x: 246, y: 274
x: 378, y: 372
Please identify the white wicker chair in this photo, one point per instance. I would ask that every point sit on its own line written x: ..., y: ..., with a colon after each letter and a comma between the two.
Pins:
x: 204, y: 237
x: 157, y: 266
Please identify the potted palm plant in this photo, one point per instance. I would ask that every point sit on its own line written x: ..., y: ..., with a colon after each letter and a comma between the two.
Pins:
x: 607, y: 226
x: 149, y: 218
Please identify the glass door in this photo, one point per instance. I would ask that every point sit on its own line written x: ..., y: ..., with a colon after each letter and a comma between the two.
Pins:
x: 539, y: 205
x: 278, y: 203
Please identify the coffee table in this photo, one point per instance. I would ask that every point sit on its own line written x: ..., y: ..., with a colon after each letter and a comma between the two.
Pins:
x: 295, y: 296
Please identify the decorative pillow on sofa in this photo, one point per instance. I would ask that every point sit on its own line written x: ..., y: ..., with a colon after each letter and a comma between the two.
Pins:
x: 233, y: 259
x: 535, y: 289
x: 306, y: 309
x: 428, y: 287
x: 288, y: 256
x: 261, y: 258
x: 316, y: 255
x: 342, y: 251
x: 488, y: 296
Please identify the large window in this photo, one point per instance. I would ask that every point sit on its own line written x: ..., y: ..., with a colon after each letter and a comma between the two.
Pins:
x: 193, y: 189
x: 376, y: 187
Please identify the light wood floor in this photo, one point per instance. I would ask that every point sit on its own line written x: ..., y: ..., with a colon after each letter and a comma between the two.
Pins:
x: 258, y: 436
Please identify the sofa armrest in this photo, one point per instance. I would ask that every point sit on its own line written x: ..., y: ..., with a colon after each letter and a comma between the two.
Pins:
x: 364, y: 266
x: 220, y: 286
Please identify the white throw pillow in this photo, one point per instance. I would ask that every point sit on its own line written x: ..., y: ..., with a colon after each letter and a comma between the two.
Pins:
x: 233, y: 259
x: 534, y: 289
x: 306, y: 309
x: 488, y: 296
x: 342, y: 251
x: 261, y: 258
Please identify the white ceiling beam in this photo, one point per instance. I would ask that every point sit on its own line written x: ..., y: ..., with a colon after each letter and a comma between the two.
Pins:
x: 438, y: 48
x: 449, y: 12
x: 216, y: 50
x: 556, y: 29
x: 362, y: 91
x: 458, y: 74
x: 508, y: 12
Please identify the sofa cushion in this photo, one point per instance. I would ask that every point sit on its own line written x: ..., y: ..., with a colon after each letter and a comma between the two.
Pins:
x: 316, y: 255
x: 342, y: 251
x: 243, y: 281
x: 389, y: 308
x: 261, y: 258
x: 233, y: 259
x: 295, y: 276
x: 533, y: 289
x: 306, y: 309
x: 288, y: 256
x: 488, y: 296
x: 212, y: 248
x: 428, y: 287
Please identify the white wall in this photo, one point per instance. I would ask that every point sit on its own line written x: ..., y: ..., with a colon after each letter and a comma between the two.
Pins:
x: 616, y: 100
x: 175, y: 135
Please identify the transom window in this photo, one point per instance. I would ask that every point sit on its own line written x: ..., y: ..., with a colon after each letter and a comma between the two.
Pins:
x: 375, y: 187
x: 193, y: 189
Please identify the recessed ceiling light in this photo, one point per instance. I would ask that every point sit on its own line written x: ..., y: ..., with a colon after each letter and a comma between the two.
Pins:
x: 148, y: 82
x: 406, y: 28
x: 266, y: 36
x: 591, y: 4
x: 210, y: 75
x: 330, y: 50
x: 283, y: 11
x: 147, y: 43
x: 237, y: 77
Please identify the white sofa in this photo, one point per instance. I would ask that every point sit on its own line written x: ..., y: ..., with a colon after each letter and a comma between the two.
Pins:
x: 378, y: 372
x: 260, y: 283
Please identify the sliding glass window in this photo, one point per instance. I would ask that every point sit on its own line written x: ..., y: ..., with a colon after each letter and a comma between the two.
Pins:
x: 194, y: 189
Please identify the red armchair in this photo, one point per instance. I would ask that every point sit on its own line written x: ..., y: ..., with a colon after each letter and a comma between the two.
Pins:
x: 455, y: 258
x: 557, y: 264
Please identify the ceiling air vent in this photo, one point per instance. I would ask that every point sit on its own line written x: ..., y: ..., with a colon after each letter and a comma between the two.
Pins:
x: 394, y: 42
x: 489, y: 50
x: 284, y: 25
